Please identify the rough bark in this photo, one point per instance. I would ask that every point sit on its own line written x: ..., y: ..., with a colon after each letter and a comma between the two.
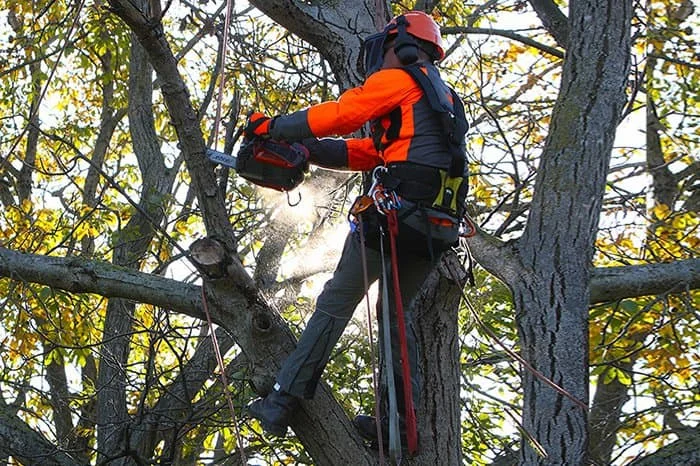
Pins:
x: 552, y: 292
x: 336, y: 29
x: 556, y: 22
x: 439, y: 416
x: 23, y: 443
x: 684, y: 451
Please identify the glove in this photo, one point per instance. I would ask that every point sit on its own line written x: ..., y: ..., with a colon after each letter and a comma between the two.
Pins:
x: 258, y: 125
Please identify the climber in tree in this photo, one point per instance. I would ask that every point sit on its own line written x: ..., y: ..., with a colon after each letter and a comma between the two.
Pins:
x: 417, y: 126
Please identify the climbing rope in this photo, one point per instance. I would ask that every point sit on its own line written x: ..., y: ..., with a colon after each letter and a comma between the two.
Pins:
x: 529, y: 367
x: 217, y: 351
x: 222, y: 69
x: 387, y: 203
x: 224, y: 379
x: 375, y: 379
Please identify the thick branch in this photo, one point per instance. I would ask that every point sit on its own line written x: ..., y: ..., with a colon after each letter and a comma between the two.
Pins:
x: 83, y: 276
x: 614, y: 283
x: 26, y: 445
x: 334, y: 32
x: 496, y: 256
x: 553, y: 20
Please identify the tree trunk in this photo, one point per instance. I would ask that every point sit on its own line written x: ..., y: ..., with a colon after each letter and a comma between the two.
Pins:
x: 132, y: 244
x: 605, y: 415
x: 551, y: 293
x: 439, y: 420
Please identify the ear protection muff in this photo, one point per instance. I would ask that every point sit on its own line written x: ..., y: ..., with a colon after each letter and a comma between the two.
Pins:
x: 405, y: 47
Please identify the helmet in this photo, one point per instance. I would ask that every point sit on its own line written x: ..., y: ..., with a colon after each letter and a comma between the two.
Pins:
x: 406, y: 28
x: 419, y: 25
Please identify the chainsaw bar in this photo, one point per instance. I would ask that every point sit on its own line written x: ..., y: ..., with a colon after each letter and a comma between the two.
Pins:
x: 221, y: 158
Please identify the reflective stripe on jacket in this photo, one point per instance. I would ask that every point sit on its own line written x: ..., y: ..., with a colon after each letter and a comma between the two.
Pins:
x: 389, y: 94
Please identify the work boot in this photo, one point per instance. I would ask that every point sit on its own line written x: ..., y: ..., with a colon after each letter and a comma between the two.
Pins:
x: 274, y: 411
x: 367, y: 428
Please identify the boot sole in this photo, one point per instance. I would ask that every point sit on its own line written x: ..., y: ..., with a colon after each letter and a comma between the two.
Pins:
x: 269, y: 427
x: 273, y: 429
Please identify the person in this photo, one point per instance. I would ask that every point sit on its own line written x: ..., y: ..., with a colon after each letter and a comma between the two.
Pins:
x: 417, y: 129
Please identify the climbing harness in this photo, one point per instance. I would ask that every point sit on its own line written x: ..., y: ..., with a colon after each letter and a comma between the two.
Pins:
x: 386, y: 202
x: 450, y: 109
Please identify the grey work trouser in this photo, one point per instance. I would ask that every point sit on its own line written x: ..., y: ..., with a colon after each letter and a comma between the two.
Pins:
x: 335, y: 305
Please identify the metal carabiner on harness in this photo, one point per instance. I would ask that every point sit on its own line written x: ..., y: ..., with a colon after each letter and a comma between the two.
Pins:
x: 384, y: 199
x: 467, y: 229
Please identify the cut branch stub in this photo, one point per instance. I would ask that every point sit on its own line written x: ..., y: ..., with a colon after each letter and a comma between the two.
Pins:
x: 210, y: 257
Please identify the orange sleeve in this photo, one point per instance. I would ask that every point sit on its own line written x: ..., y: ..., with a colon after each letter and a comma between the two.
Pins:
x: 362, y: 155
x: 382, y: 92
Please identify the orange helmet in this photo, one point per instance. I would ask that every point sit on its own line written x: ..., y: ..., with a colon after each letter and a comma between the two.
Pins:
x: 403, y: 30
x: 420, y: 26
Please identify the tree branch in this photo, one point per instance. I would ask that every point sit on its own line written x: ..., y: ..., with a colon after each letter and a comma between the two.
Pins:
x: 686, y: 450
x: 507, y: 34
x: 26, y: 445
x: 615, y: 283
x: 83, y: 276
x: 553, y: 20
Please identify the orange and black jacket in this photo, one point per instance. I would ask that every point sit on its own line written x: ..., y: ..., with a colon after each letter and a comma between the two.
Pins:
x: 404, y: 127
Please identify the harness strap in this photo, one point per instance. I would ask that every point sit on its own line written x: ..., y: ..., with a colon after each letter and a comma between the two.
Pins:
x: 452, y: 115
x: 409, y: 414
x: 375, y: 384
x: 394, y: 432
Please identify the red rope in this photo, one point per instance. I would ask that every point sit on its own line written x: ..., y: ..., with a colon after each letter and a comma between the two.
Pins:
x: 529, y: 367
x: 410, y: 415
x: 222, y: 70
x: 224, y: 379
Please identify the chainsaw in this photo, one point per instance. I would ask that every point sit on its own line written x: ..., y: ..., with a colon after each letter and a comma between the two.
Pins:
x: 268, y: 163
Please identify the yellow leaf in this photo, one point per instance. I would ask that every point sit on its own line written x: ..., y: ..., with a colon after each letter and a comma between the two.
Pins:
x: 181, y: 226
x: 661, y: 211
x: 26, y: 206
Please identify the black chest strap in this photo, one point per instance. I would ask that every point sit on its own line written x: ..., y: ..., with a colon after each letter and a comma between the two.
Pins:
x: 452, y: 115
